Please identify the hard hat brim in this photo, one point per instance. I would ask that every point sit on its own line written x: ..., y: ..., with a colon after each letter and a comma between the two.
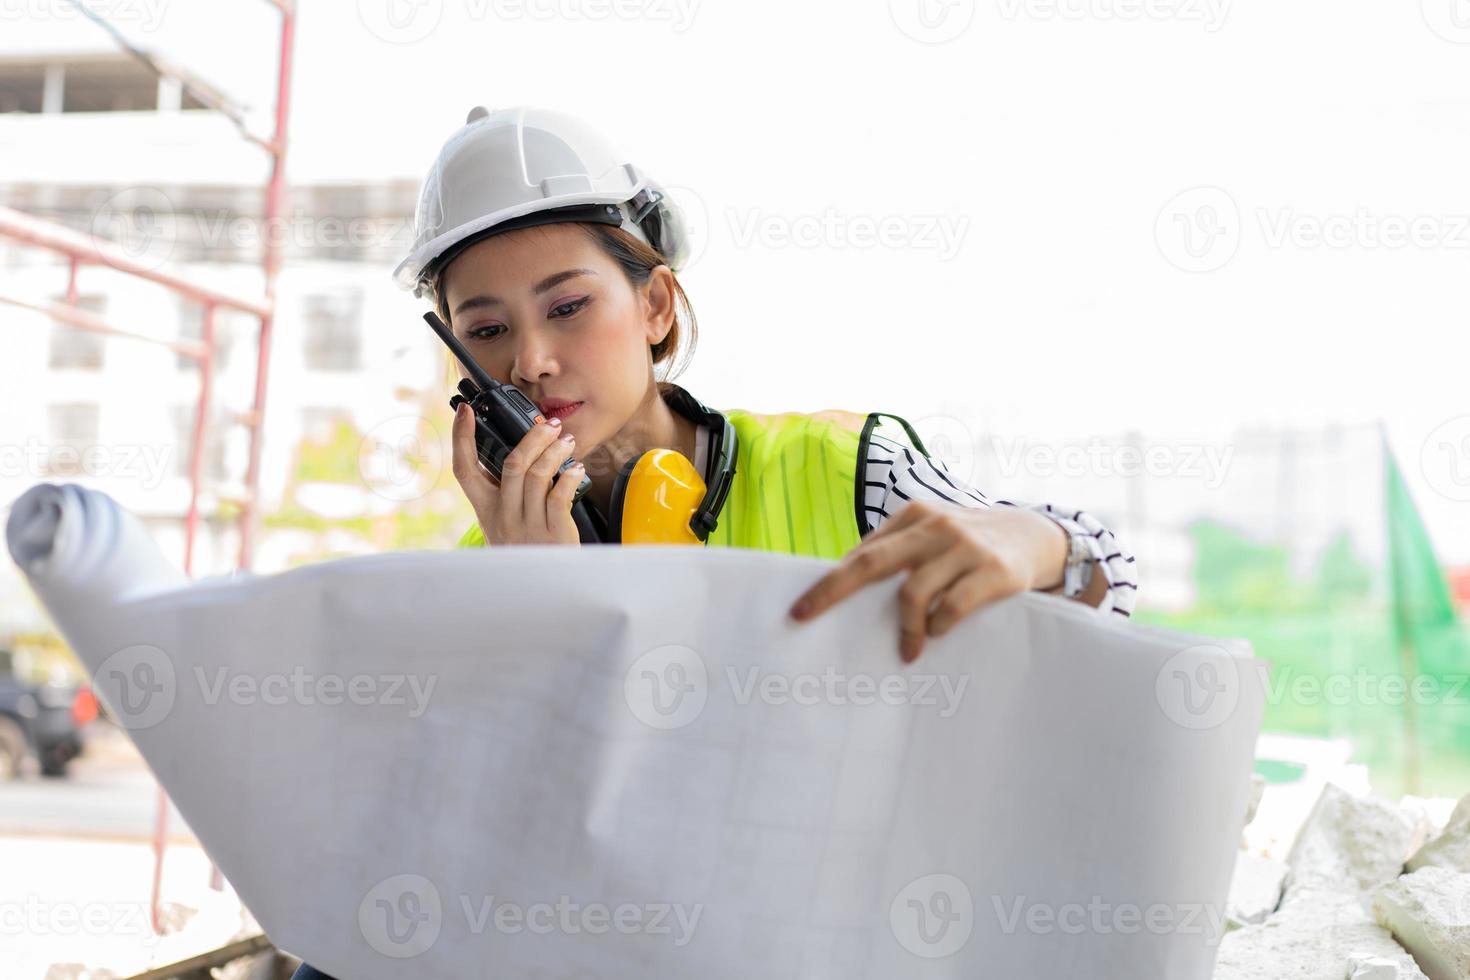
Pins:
x: 419, y: 269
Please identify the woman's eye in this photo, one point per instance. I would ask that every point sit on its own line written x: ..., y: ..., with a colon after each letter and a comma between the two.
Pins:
x: 571, y: 307
x: 564, y: 309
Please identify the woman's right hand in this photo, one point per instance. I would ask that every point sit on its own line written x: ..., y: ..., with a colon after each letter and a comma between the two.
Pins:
x: 531, y: 503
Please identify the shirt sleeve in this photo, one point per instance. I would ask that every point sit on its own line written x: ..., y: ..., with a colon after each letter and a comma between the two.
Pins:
x: 895, y: 474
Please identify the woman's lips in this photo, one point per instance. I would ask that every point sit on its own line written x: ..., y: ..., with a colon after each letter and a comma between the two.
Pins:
x: 563, y: 412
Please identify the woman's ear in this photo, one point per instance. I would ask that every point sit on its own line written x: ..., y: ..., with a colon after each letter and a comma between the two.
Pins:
x: 658, y: 304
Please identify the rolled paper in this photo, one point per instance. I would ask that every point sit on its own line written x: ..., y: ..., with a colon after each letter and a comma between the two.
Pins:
x: 631, y: 762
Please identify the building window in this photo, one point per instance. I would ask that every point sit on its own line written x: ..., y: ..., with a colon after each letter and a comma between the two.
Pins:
x: 104, y: 82
x: 23, y: 89
x: 109, y: 87
x: 333, y: 335
x: 73, y: 349
x: 72, y: 430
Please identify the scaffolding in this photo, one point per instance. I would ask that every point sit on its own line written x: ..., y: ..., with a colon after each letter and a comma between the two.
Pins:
x: 82, y: 250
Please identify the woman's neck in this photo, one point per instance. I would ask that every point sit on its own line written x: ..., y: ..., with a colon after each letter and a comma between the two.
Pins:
x: 654, y: 426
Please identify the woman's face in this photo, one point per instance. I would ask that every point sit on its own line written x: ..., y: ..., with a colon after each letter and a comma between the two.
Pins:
x: 546, y: 310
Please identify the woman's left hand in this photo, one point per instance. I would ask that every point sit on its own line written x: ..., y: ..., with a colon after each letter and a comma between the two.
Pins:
x: 960, y: 558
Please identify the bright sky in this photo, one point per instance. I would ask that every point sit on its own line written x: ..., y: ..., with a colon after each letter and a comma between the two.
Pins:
x: 1047, y: 265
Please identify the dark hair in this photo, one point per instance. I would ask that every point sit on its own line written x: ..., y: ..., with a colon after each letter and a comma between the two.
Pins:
x: 637, y: 261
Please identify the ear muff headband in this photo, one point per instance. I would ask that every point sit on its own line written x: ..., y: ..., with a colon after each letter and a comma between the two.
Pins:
x: 719, y: 471
x: 723, y: 453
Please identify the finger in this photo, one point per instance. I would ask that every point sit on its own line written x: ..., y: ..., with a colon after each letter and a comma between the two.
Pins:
x: 517, y: 463
x: 980, y: 587
x: 918, y: 593
x: 913, y: 516
x: 537, y: 487
x: 559, y: 501
x: 869, y: 562
x: 478, y: 484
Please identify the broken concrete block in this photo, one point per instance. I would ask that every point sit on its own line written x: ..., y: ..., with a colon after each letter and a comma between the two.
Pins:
x: 1255, y: 890
x: 1258, y: 789
x: 1316, y: 935
x: 1461, y: 813
x: 1426, y: 827
x: 1380, y: 968
x: 1450, y: 849
x: 1349, y: 843
x: 1428, y: 912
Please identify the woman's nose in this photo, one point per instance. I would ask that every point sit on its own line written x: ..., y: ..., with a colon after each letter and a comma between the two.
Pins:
x: 534, y: 359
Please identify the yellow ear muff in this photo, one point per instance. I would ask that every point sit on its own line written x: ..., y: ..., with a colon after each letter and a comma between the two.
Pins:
x: 662, y: 493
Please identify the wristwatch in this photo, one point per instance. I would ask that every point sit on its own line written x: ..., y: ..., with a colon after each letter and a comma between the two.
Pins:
x: 1078, y: 572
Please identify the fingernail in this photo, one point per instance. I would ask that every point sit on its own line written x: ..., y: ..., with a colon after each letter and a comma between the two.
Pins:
x: 801, y: 608
x: 553, y: 421
x: 568, y: 439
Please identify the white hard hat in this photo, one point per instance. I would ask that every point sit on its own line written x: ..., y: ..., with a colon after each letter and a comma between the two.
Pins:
x: 524, y: 166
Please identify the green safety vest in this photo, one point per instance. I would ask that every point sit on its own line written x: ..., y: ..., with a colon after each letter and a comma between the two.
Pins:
x: 797, y: 487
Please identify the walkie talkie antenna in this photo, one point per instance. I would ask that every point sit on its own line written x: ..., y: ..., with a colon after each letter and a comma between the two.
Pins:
x: 477, y: 373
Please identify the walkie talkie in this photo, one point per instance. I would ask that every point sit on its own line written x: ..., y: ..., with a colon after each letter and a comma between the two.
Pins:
x: 502, y: 416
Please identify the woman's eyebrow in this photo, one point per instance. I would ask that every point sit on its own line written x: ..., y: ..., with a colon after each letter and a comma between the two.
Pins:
x: 550, y: 282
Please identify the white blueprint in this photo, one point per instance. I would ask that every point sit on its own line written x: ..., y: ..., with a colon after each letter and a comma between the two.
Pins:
x: 628, y: 762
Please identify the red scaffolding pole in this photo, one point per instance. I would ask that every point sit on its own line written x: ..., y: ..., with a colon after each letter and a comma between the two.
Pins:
x: 82, y: 250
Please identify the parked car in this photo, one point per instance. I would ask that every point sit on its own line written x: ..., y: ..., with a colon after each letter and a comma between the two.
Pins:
x: 45, y: 720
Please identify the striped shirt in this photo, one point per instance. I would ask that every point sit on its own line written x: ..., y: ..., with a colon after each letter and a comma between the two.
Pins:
x: 896, y: 474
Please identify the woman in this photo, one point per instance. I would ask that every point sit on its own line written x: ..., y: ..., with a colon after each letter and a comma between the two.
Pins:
x: 552, y: 260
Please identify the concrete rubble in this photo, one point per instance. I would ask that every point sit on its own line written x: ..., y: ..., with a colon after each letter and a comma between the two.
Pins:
x: 1315, y: 935
x: 1255, y: 889
x: 1461, y: 813
x: 1379, y: 968
x: 1426, y: 826
x: 1450, y: 849
x: 1350, y: 843
x: 1428, y: 912
x: 1370, y: 890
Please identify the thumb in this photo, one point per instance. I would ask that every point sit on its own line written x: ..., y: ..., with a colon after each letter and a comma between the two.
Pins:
x: 479, y: 486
